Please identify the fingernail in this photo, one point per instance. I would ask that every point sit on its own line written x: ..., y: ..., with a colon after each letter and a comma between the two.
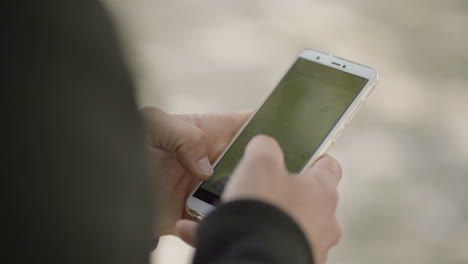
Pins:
x: 204, y: 167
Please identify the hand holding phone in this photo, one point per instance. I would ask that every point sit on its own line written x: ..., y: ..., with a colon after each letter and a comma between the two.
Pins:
x: 309, y: 198
x: 305, y: 114
x: 176, y: 144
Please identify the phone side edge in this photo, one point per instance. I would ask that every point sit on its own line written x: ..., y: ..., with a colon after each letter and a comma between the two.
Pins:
x: 346, y: 118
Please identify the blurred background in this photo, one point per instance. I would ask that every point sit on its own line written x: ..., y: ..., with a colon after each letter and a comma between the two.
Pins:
x: 405, y: 155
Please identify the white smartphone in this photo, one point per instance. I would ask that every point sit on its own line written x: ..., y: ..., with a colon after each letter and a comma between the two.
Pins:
x: 305, y: 113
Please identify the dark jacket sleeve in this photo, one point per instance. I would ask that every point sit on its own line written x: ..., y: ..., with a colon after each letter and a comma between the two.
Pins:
x: 74, y: 170
x: 250, y: 232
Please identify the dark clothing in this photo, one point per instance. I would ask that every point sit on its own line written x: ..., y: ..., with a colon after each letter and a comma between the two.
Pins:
x: 79, y: 189
x: 250, y: 232
x: 75, y: 184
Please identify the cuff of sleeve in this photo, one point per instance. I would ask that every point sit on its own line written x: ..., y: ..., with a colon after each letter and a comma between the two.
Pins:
x: 266, y: 230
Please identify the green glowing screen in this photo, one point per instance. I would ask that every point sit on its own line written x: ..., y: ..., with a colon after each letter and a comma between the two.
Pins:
x: 299, y: 114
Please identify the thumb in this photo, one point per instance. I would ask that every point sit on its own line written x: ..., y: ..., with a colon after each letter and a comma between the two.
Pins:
x: 186, y: 230
x: 176, y: 135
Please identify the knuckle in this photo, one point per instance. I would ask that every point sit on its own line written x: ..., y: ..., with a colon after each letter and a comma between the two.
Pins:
x: 195, y: 136
x: 189, y: 139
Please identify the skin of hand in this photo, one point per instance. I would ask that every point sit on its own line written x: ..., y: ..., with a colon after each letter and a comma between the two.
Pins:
x: 310, y: 198
x: 182, y: 149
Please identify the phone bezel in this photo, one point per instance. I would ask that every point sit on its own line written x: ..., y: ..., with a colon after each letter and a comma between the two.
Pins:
x: 199, y: 208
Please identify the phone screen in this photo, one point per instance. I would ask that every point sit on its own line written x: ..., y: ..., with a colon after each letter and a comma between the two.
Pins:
x: 299, y: 114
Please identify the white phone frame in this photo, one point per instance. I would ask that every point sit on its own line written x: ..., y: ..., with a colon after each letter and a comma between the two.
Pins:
x: 200, y: 209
